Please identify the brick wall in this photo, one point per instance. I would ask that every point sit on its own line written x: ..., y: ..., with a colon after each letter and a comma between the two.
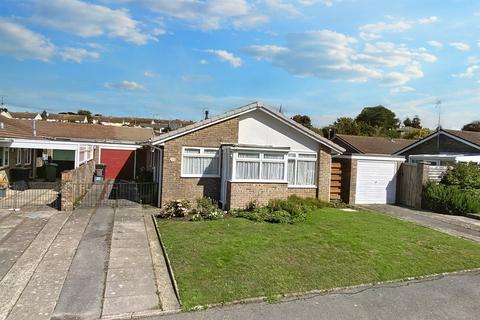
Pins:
x: 302, y: 192
x: 324, y: 173
x: 241, y: 193
x: 173, y: 185
x: 76, y: 183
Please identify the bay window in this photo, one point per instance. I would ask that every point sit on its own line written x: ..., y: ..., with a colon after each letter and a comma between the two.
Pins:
x: 301, y: 171
x: 200, y: 162
x: 260, y: 166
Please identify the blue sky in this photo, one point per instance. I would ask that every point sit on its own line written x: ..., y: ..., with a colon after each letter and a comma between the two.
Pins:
x: 173, y: 59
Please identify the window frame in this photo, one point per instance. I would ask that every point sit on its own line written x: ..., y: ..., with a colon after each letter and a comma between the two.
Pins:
x: 19, y: 157
x: 260, y: 159
x: 201, y: 154
x: 5, y: 161
x: 297, y: 157
x: 87, y: 152
x: 27, y: 157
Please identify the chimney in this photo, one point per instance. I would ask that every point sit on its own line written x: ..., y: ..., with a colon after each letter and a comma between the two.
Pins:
x: 206, y: 114
x: 2, y: 125
x: 34, y: 128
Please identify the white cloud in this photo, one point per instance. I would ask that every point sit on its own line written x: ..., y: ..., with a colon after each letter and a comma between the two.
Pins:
x: 469, y: 73
x: 404, y: 89
x: 88, y: 20
x: 288, y: 7
x: 150, y: 74
x: 22, y: 43
x: 195, y: 77
x: 226, y: 56
x: 206, y: 15
x: 435, y: 44
x: 125, y: 85
x: 462, y: 46
x: 369, y: 36
x: 77, y: 54
x: 203, y: 61
x: 334, y: 56
x: 392, y: 26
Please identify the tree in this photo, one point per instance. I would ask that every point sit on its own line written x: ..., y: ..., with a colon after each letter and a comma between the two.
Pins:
x: 378, y: 116
x: 416, y: 122
x: 417, y: 134
x: 407, y: 122
x: 304, y: 120
x: 472, y: 126
x: 44, y: 115
x: 86, y: 113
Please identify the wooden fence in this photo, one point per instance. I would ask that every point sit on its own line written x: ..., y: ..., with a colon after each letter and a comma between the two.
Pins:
x: 411, y: 179
x: 336, y: 181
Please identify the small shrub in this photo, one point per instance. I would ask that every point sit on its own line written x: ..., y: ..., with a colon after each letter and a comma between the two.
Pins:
x: 463, y: 175
x: 450, y: 199
x: 207, y: 209
x: 176, y: 208
x: 251, y: 206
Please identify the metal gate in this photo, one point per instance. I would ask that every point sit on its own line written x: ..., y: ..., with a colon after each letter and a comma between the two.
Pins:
x: 117, y: 194
x: 31, y: 195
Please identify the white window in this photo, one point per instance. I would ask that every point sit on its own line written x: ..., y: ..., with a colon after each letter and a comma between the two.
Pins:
x: 301, y: 170
x: 19, y: 157
x: 4, y: 157
x: 27, y: 156
x: 86, y: 153
x: 260, y: 166
x: 200, y: 162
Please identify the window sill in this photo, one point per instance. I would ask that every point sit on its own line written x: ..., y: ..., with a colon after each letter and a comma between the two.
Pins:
x: 199, y: 176
x: 258, y: 181
x: 301, y: 187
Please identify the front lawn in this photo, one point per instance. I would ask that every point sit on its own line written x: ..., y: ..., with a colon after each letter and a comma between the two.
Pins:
x: 225, y: 260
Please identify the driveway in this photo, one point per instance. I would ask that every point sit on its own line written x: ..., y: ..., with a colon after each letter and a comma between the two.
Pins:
x: 85, y: 264
x: 464, y: 227
x: 445, y: 297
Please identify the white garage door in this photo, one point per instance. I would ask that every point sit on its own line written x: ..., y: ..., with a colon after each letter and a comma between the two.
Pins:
x: 376, y: 182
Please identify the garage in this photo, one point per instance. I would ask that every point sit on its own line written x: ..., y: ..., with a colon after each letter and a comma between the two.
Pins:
x: 376, y: 181
x: 120, y: 163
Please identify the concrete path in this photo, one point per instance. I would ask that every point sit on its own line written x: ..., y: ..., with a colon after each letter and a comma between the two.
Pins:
x: 454, y: 225
x: 448, y: 297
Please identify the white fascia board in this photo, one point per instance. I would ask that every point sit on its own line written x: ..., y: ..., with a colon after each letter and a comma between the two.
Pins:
x: 117, y: 146
x: 43, y: 144
x: 372, y: 157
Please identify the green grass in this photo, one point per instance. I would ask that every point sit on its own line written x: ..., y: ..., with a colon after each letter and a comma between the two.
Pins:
x: 225, y: 260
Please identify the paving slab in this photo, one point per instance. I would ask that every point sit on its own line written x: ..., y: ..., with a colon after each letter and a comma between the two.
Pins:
x: 82, y: 292
x: 17, y: 241
x: 128, y: 304
x: 39, y: 298
x: 15, y: 281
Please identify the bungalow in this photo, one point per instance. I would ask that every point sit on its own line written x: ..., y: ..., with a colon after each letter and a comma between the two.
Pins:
x: 444, y: 147
x: 26, y: 145
x: 249, y: 153
x: 367, y: 172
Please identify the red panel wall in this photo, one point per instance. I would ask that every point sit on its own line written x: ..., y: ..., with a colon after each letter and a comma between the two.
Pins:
x: 119, y: 163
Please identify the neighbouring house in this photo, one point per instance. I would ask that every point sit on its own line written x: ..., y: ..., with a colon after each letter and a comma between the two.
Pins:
x: 158, y: 125
x: 444, y: 147
x: 26, y: 145
x: 23, y: 115
x: 367, y: 172
x: 61, y: 117
x: 251, y: 153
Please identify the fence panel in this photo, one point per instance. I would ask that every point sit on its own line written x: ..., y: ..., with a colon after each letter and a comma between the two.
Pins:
x: 407, y: 189
x: 117, y: 194
x: 436, y: 173
x: 31, y: 195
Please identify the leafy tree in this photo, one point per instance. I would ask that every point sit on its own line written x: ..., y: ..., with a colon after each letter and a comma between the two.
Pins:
x: 416, y: 122
x: 86, y: 113
x: 463, y: 175
x: 44, y: 115
x: 407, y: 122
x: 304, y: 120
x: 472, y: 126
x: 378, y: 116
x: 418, y: 134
